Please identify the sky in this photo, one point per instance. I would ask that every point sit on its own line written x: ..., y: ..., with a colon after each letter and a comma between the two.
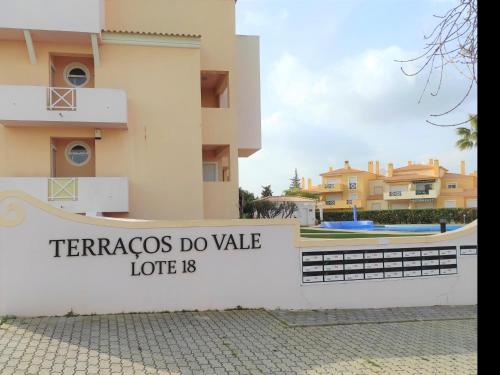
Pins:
x: 331, y: 90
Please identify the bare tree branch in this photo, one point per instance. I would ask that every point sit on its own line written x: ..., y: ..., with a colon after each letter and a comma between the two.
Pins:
x: 453, y: 41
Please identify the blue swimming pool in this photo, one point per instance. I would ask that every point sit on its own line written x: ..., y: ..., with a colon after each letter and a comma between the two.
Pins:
x: 415, y: 227
x: 368, y: 225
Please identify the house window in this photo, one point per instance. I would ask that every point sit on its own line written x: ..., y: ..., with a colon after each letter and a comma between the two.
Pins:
x: 376, y: 206
x: 472, y: 203
x: 450, y: 203
x: 451, y: 185
x: 353, y: 182
x: 209, y: 172
x: 78, y: 153
x: 76, y: 75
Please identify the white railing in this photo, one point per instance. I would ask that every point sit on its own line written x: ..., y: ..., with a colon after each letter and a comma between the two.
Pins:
x: 410, y: 194
x: 74, y: 194
x: 46, y: 106
x: 61, y: 98
x: 63, y: 188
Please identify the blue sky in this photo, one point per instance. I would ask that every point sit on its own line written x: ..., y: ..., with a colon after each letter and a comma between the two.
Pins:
x: 331, y: 91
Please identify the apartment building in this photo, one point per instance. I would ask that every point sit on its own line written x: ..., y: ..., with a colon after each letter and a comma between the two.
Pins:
x: 414, y: 186
x: 127, y: 108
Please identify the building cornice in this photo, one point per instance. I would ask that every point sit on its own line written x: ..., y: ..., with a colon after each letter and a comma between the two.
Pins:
x: 151, y: 39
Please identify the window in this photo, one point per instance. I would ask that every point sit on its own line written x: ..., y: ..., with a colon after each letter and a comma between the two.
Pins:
x: 353, y: 182
x: 376, y: 206
x: 209, y: 172
x: 78, y: 153
x: 451, y: 185
x: 471, y: 203
x: 76, y: 75
x: 450, y: 203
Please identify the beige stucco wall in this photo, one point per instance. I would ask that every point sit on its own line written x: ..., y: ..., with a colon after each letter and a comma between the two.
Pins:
x: 161, y: 150
x: 61, y: 62
x: 64, y: 168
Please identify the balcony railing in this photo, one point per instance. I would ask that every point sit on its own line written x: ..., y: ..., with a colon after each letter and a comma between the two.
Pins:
x: 61, y: 98
x: 422, y: 192
x: 57, y: 106
x: 353, y: 185
x: 410, y: 194
x: 347, y: 203
x: 74, y: 194
x: 331, y: 187
x: 63, y: 189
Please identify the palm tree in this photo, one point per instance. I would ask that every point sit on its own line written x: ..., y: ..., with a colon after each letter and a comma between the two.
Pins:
x: 468, y: 136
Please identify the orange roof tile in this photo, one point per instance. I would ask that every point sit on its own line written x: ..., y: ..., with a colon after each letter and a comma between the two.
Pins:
x: 152, y: 33
x: 342, y: 171
x: 416, y: 167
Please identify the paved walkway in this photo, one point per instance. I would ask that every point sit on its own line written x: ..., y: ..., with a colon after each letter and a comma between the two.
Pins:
x: 241, y: 342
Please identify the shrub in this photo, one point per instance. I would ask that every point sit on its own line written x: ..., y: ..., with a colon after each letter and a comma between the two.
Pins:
x: 264, y: 209
x: 415, y: 216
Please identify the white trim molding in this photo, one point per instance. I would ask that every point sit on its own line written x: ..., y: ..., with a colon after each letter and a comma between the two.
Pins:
x: 30, y: 46
x: 150, y: 40
x: 95, y: 50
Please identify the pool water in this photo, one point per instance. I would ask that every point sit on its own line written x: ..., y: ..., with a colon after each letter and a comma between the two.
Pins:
x: 415, y: 227
x: 368, y: 225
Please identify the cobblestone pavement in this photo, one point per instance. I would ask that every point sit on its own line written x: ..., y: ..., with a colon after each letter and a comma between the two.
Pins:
x: 232, y: 342
x: 357, y: 316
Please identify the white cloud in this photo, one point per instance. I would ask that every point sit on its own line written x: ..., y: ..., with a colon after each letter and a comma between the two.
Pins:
x: 358, y: 109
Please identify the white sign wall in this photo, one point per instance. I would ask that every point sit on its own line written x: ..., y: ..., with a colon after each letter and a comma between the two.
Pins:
x: 53, y: 262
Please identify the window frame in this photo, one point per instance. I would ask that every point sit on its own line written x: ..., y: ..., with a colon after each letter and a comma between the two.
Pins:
x: 78, y: 143
x: 450, y: 200
x: 72, y: 66
x: 216, y: 171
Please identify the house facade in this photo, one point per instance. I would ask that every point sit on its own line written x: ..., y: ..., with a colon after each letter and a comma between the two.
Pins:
x: 414, y: 186
x: 131, y: 109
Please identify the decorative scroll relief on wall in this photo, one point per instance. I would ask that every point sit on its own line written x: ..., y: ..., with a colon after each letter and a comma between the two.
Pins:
x: 369, y: 264
x: 11, y: 214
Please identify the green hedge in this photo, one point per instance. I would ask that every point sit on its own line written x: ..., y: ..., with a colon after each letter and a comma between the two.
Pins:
x: 415, y: 216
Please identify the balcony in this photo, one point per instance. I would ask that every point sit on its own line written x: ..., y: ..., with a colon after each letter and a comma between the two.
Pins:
x: 53, y: 106
x: 74, y: 194
x: 410, y: 194
x: 342, y: 204
x: 353, y: 185
x: 248, y: 113
x: 51, y: 17
x: 331, y: 187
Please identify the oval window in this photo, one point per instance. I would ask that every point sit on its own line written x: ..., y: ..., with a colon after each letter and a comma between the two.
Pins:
x: 78, y: 154
x: 76, y: 75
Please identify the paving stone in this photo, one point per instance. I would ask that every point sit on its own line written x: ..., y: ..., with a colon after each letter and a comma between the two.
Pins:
x: 424, y: 340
